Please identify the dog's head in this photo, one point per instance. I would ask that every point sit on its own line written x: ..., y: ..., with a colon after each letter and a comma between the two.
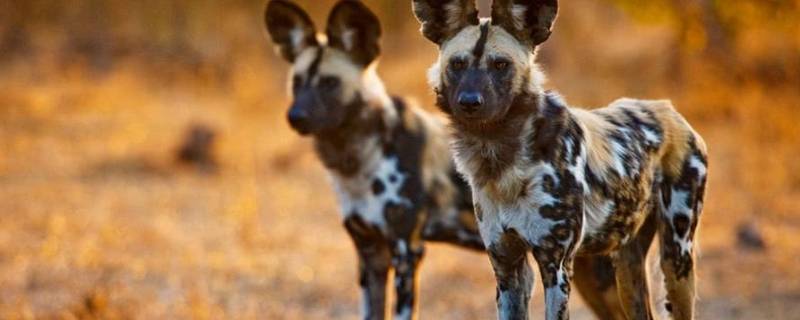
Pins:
x: 329, y: 77
x: 484, y: 64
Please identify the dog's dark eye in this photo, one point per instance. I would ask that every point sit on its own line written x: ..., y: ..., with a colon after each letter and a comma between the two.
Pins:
x: 329, y: 83
x: 458, y: 64
x: 500, y: 65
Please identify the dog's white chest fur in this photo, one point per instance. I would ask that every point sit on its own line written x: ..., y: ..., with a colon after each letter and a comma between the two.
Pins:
x: 520, y: 213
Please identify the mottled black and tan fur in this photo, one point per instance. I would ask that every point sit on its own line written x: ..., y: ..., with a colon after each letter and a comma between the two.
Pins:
x: 557, y: 181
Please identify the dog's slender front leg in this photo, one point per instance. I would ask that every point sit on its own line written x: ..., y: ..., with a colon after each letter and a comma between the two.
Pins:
x: 374, y: 262
x: 374, y: 271
x: 406, y: 256
x: 556, y: 269
x: 509, y: 256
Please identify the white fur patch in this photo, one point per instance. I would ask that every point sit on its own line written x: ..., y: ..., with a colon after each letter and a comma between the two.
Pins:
x: 434, y: 75
x: 523, y: 214
x: 349, y: 38
x: 685, y: 244
x: 617, y: 150
x: 392, y: 193
x: 296, y: 35
x: 405, y: 313
x: 518, y: 14
x: 596, y: 213
x: 554, y: 297
x: 578, y: 170
x: 677, y: 203
x: 304, y: 60
x: 505, y: 300
x: 356, y: 196
x: 678, y: 206
x: 365, y: 309
x: 454, y: 13
x: 569, y: 145
x: 651, y: 136
x: 658, y: 288
x: 402, y: 247
x: 698, y: 165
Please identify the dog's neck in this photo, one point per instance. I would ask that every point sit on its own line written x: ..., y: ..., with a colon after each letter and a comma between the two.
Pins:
x: 350, y: 147
x: 484, y: 154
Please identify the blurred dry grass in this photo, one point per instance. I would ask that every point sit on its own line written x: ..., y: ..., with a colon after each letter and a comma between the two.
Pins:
x: 97, y: 221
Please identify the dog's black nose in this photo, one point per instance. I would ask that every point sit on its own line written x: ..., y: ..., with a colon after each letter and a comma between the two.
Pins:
x: 298, y: 118
x: 470, y: 101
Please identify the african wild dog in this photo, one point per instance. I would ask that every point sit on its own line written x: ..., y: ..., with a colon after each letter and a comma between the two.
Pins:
x: 389, y: 161
x: 558, y: 181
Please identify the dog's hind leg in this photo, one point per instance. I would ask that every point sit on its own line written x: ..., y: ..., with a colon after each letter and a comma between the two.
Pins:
x: 374, y: 262
x: 631, y: 274
x: 682, y: 202
x: 594, y: 279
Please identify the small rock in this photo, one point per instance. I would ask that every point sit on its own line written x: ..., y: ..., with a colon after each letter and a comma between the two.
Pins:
x: 749, y: 237
x: 197, y: 148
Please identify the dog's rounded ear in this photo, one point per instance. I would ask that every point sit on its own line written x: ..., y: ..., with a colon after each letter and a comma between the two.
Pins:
x: 442, y: 19
x: 530, y: 21
x: 354, y: 29
x: 290, y: 28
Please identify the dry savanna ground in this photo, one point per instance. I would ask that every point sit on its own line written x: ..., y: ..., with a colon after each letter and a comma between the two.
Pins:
x: 98, y: 220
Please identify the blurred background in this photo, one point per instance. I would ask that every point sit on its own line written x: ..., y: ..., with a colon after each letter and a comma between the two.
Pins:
x: 147, y: 170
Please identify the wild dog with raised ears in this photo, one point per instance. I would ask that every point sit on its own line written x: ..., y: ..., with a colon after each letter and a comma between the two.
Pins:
x: 389, y: 161
x: 557, y: 181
